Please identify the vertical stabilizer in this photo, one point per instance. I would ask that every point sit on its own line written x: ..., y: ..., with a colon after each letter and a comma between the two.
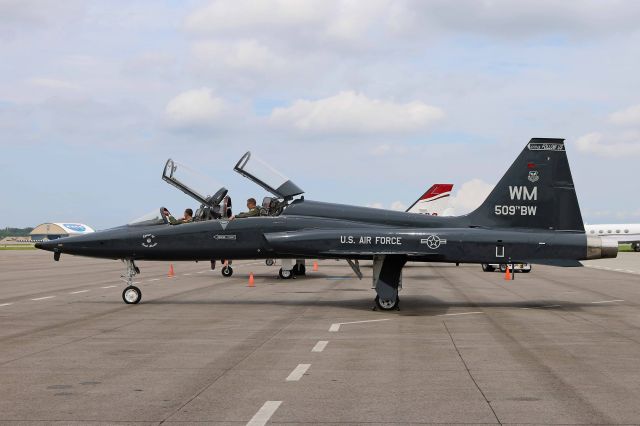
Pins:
x: 536, y: 192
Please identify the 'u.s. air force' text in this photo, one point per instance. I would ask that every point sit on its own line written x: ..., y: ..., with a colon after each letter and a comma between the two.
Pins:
x: 519, y: 193
x: 350, y: 239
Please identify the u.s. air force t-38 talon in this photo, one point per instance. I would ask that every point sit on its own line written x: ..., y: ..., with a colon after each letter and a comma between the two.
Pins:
x: 531, y: 216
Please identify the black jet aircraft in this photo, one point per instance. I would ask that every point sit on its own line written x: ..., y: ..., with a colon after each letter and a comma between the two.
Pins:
x: 531, y: 216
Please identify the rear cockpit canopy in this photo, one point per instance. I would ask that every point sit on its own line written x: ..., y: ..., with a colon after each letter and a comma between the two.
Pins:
x: 267, y: 177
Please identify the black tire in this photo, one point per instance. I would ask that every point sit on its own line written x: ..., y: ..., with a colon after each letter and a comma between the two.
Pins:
x: 285, y: 274
x: 300, y: 270
x: 636, y: 247
x: 269, y: 262
x: 387, y: 305
x: 526, y: 271
x: 503, y: 267
x: 227, y: 271
x: 487, y: 268
x: 131, y: 295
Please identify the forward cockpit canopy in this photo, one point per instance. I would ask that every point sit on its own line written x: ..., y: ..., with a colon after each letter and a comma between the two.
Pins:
x: 194, y: 184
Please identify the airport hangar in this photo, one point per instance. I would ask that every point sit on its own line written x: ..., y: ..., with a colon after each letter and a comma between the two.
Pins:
x: 53, y: 231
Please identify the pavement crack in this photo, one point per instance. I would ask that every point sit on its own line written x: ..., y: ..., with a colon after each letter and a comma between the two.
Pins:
x: 473, y: 379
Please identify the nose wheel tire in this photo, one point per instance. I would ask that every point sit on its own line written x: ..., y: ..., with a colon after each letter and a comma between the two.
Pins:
x: 131, y: 295
x: 269, y: 262
x: 227, y: 271
x: 387, y: 304
x: 285, y: 274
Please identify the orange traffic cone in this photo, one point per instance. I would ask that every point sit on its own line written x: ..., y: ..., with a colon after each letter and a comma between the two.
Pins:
x: 315, y: 265
x: 251, y: 280
x: 507, y: 274
x: 171, y: 274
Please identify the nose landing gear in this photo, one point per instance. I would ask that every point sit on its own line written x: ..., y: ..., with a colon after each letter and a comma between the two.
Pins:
x: 131, y: 294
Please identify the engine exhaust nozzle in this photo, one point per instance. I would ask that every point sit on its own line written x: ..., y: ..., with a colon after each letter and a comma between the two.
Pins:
x: 601, y: 248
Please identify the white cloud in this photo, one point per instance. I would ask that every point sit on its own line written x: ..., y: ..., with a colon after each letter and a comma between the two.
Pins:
x: 628, y: 116
x: 226, y: 15
x: 354, y: 113
x: 195, y: 109
x: 399, y: 206
x: 237, y: 55
x: 617, y: 146
x: 54, y: 84
x: 468, y: 197
x: 311, y: 20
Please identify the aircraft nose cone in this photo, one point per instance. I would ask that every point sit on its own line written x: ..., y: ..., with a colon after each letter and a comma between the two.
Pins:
x: 46, y: 245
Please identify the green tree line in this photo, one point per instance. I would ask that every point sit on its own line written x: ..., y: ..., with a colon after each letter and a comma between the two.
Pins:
x: 15, y: 232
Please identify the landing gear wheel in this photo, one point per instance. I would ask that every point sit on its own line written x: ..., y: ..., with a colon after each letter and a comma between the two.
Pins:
x: 636, y: 247
x: 285, y: 274
x: 487, y: 268
x: 387, y: 304
x: 269, y: 262
x: 300, y: 270
x: 131, y: 295
x: 503, y: 267
x: 227, y: 271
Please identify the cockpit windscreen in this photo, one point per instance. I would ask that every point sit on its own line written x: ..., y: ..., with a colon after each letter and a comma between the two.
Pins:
x: 151, y: 218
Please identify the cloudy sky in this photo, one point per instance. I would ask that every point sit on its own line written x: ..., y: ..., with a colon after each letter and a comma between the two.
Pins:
x: 364, y: 102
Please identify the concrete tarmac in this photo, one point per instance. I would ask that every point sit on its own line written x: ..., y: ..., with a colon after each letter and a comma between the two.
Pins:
x: 556, y: 346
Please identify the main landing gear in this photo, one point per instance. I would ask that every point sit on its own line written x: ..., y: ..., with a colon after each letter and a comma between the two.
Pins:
x: 285, y: 274
x: 387, y: 280
x: 227, y: 271
x: 131, y: 294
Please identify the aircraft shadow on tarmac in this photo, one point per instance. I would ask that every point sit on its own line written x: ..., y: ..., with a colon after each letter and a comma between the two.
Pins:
x: 414, y: 305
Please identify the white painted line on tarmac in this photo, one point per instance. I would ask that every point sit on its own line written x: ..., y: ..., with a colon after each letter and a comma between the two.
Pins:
x: 79, y: 291
x: 109, y: 286
x: 462, y: 313
x: 202, y: 272
x: 187, y: 274
x: 6, y: 304
x: 264, y: 413
x: 319, y: 347
x: 298, y: 372
x: 43, y: 298
x: 336, y: 326
x: 609, y: 301
x: 136, y: 282
x: 606, y: 268
x: 154, y: 279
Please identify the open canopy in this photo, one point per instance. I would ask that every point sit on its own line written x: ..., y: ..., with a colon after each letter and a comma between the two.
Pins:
x: 198, y: 186
x: 267, y: 177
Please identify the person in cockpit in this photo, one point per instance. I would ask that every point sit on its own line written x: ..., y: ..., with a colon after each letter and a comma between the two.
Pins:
x: 253, y: 209
x: 188, y: 217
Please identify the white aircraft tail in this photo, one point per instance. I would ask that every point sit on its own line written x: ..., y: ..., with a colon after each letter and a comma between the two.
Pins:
x: 433, y: 202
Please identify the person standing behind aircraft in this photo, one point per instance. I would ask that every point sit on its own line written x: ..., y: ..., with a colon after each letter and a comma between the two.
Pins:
x: 253, y: 210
